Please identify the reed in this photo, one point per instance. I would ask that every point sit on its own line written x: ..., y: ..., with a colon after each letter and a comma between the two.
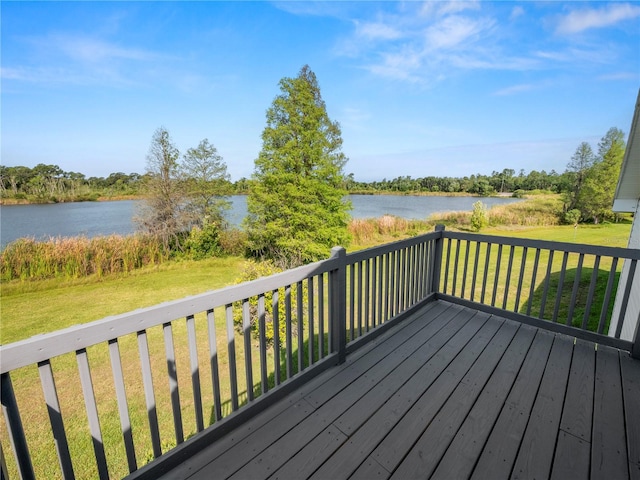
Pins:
x: 75, y: 257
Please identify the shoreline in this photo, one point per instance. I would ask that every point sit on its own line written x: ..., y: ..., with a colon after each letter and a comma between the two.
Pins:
x: 24, y: 201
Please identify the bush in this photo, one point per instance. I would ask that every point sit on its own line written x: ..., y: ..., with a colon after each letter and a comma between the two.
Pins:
x: 203, y: 242
x: 233, y: 241
x: 479, y: 218
x: 572, y: 217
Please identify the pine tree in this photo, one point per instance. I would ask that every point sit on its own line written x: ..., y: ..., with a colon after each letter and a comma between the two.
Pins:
x: 296, y: 205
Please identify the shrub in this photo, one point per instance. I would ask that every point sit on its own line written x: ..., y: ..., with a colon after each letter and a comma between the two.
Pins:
x: 233, y: 241
x: 203, y: 242
x: 572, y: 217
x: 479, y: 218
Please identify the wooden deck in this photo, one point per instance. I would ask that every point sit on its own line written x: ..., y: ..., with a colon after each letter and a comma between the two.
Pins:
x: 448, y: 393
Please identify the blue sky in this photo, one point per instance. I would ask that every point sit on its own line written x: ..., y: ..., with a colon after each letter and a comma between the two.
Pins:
x: 436, y: 88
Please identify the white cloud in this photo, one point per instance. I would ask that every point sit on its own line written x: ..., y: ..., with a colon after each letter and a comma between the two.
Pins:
x: 377, y: 30
x: 581, y: 20
x: 514, y: 89
x: 453, y: 31
x: 517, y: 11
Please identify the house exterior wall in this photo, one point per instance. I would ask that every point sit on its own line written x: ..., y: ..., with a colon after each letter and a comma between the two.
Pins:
x: 632, y: 314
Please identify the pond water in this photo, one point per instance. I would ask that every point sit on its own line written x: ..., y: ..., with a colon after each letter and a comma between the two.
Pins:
x: 104, y: 218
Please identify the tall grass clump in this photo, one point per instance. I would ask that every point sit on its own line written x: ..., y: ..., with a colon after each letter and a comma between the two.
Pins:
x: 367, y: 230
x: 536, y: 211
x: 75, y: 257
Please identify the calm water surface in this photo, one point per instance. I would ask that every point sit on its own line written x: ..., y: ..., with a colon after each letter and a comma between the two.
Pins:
x: 104, y: 218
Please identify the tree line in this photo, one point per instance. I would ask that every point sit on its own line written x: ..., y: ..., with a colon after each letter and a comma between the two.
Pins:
x: 297, y: 205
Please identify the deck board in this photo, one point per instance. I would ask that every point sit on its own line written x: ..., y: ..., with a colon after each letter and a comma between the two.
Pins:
x: 448, y: 393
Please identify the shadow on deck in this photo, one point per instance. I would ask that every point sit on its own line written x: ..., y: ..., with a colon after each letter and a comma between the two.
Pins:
x: 449, y: 392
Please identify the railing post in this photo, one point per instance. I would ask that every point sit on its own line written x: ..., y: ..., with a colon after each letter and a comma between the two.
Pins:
x: 437, y: 260
x: 338, y: 307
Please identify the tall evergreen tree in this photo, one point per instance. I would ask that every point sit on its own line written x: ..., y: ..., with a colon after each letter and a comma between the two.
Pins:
x: 296, y: 205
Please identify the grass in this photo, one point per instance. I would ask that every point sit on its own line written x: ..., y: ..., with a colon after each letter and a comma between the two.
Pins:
x: 31, y: 308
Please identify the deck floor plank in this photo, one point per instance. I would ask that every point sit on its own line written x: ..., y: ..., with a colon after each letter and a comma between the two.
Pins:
x: 463, y: 452
x: 608, y: 441
x: 364, y: 440
x: 448, y: 393
x: 507, y: 347
x: 405, y: 433
x: 535, y: 457
x: 630, y: 370
x: 497, y: 457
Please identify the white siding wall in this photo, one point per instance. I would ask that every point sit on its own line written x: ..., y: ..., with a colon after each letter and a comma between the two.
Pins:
x: 633, y: 308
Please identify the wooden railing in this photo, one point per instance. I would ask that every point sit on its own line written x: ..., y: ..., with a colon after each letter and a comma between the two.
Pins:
x: 260, y: 339
x: 114, y: 394
x: 564, y: 287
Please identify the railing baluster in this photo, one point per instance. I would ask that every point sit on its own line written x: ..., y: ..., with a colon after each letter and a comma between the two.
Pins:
x: 497, y: 276
x: 147, y: 383
x: 275, y: 309
x: 55, y: 417
x: 231, y: 349
x: 604, y: 312
x: 455, y: 268
x: 246, y: 337
x: 563, y: 271
x: 547, y: 280
x: 592, y: 290
x: 367, y: 299
x: 380, y: 267
x: 508, y: 279
x: 446, y: 266
x: 300, y: 321
x: 625, y: 298
x: 532, y: 288
x: 352, y: 287
x: 264, y: 382
x: 289, y: 333
x: 392, y: 284
x: 15, y: 430
x: 172, y: 373
x: 121, y: 396
x: 321, y: 317
x: 574, y: 292
x: 476, y: 260
x: 465, y: 268
x: 486, y: 273
x: 386, y: 286
x: 195, y: 372
x: 523, y: 263
x: 213, y: 361
x: 359, y: 299
x: 92, y: 413
x: 312, y: 329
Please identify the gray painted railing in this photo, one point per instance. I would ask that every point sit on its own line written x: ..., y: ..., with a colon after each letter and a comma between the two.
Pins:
x: 564, y: 287
x: 262, y: 337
